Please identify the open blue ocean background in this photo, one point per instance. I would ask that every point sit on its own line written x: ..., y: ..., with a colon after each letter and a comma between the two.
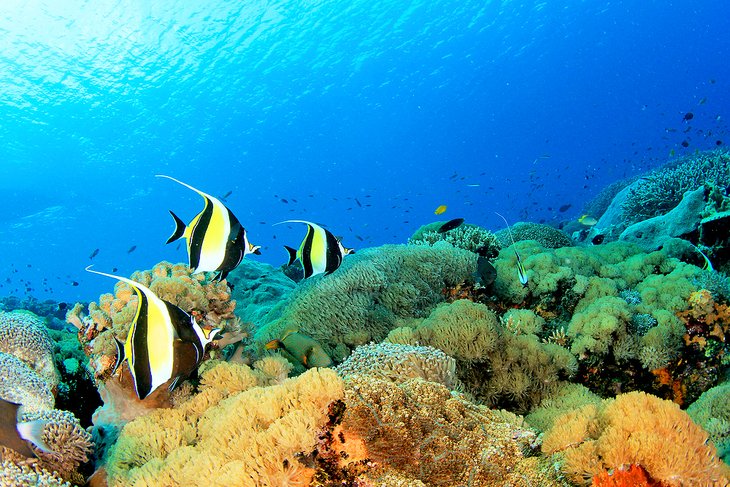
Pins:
x: 361, y: 115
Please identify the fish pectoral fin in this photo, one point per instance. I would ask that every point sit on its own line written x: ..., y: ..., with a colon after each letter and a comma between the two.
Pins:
x: 33, y: 431
x: 292, y: 254
x: 121, y: 357
x: 273, y: 344
x: 180, y: 228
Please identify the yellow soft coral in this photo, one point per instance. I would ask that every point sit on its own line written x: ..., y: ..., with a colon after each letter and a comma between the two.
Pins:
x: 234, y: 432
x: 635, y: 429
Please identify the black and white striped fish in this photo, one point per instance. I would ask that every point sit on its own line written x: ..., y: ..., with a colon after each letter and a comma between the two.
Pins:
x: 163, y: 343
x: 216, y: 240
x: 320, y: 252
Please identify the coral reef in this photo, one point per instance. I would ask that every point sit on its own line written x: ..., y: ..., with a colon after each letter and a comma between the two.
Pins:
x: 631, y: 430
x: 466, y: 236
x: 233, y: 432
x: 396, y: 362
x: 547, y: 236
x: 370, y: 294
x: 24, y: 335
x: 257, y: 287
x: 662, y: 190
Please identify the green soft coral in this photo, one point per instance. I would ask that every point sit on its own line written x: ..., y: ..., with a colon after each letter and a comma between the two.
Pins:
x: 369, y: 295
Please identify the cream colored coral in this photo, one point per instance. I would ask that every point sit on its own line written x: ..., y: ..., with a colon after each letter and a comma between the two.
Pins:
x: 12, y: 475
x: 24, y: 335
x: 20, y: 384
x: 233, y: 433
x: 635, y: 429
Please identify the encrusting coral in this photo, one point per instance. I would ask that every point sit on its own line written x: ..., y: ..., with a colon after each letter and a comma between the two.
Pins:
x: 635, y: 429
x: 370, y: 294
x: 234, y: 432
x: 24, y: 335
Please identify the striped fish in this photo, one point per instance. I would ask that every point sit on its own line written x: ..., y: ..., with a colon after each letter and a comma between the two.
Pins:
x: 163, y: 343
x: 216, y: 241
x: 320, y: 252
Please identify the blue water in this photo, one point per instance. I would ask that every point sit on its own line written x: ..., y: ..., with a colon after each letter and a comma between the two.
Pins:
x: 364, y: 115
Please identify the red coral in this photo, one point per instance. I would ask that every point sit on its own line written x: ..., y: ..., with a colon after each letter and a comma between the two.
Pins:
x: 635, y: 476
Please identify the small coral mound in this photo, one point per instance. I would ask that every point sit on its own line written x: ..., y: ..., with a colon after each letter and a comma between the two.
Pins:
x: 466, y: 236
x: 397, y: 363
x: 24, y: 335
x: 547, y: 236
x: 635, y: 429
x: 234, y: 432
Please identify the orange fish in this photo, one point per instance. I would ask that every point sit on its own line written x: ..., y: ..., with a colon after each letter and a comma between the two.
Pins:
x: 439, y: 209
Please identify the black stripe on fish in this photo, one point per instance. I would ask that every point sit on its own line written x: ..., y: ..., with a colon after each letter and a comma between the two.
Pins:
x: 306, y: 256
x: 197, y: 235
x: 235, y: 247
x: 334, y: 254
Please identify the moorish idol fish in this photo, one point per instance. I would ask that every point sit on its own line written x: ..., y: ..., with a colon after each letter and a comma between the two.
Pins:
x: 450, y: 225
x: 520, y: 268
x: 15, y: 434
x: 302, y: 348
x: 320, y: 251
x: 164, y: 342
x: 216, y: 241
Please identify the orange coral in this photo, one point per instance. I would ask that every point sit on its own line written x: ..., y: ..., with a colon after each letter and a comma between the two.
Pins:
x: 634, y: 476
x: 678, y: 388
x: 635, y: 429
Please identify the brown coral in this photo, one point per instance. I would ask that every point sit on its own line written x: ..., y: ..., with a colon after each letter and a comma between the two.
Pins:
x: 635, y: 429
x: 418, y: 430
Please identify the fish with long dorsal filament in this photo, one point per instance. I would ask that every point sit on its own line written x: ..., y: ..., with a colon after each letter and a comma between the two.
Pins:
x: 320, y: 252
x: 163, y: 343
x: 216, y: 240
x: 520, y: 268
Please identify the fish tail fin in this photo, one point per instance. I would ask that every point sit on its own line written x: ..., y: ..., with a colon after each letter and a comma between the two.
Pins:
x: 180, y: 228
x: 292, y: 254
x: 121, y: 357
x: 33, y: 431
x: 273, y: 344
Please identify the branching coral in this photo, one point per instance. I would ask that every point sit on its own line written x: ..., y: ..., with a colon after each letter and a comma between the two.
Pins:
x: 233, y: 432
x: 25, y: 336
x: 397, y: 362
x: 369, y: 295
x: 635, y: 429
